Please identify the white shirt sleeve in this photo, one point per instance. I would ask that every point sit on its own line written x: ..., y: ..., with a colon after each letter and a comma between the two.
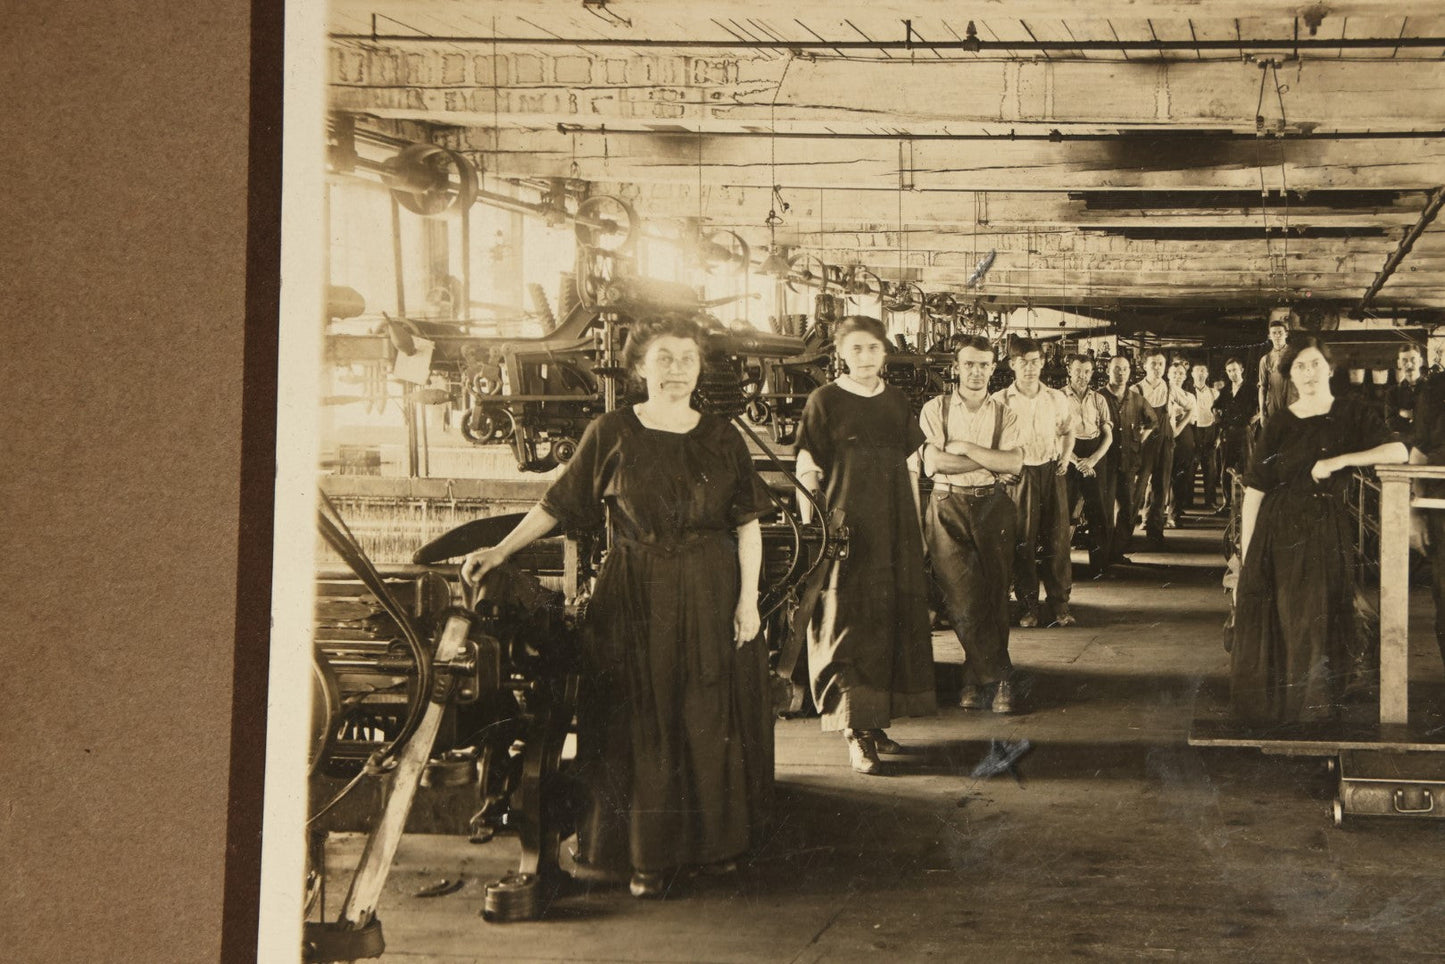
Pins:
x: 806, y: 465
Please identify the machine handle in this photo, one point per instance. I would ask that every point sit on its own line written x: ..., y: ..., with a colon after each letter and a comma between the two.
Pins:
x: 1423, y: 791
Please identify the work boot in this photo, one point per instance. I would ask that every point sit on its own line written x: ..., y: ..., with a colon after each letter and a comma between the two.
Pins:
x: 647, y: 885
x: 883, y: 744
x: 1030, y: 618
x: 862, y: 754
x: 1062, y: 616
x: 1003, y: 697
x: 973, y: 698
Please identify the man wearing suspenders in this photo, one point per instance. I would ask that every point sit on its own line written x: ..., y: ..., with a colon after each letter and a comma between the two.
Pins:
x: 1091, y: 475
x: 969, y: 523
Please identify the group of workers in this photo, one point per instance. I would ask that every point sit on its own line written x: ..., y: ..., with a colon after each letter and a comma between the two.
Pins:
x: 672, y: 729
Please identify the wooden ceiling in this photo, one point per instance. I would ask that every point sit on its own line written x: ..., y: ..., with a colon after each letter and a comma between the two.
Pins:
x: 1160, y: 154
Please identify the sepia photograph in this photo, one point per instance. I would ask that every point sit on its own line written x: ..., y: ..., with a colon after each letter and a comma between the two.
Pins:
x: 828, y: 482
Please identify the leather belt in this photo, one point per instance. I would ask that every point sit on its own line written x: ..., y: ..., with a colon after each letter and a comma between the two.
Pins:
x: 686, y: 542
x: 973, y: 491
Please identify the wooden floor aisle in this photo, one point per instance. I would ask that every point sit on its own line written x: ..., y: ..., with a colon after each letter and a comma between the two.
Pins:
x: 1112, y: 841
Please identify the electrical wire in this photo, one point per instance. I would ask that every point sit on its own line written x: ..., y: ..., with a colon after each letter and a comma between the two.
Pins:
x: 1283, y: 175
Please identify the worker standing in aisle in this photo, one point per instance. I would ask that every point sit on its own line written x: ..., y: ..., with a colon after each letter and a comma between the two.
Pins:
x: 1275, y: 390
x: 1236, y: 407
x: 1206, y: 433
x: 972, y: 447
x: 1091, y: 472
x: 1134, y: 422
x: 1158, y: 450
x: 1047, y: 437
x: 870, y: 647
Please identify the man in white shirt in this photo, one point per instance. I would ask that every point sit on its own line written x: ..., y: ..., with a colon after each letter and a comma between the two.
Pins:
x: 1091, y: 475
x: 1158, y: 454
x: 969, y: 521
x: 1206, y: 432
x: 1047, y: 435
x: 1181, y: 422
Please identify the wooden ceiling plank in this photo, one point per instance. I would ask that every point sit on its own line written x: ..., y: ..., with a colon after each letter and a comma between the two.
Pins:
x: 954, y: 165
x: 649, y: 16
x: 879, y: 209
x: 733, y: 91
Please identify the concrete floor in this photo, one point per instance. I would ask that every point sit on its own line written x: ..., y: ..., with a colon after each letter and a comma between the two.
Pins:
x: 1117, y: 841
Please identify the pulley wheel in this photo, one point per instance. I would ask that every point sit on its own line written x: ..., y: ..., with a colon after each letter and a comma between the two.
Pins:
x: 605, y: 222
x: 726, y: 250
x: 325, y: 711
x: 430, y: 180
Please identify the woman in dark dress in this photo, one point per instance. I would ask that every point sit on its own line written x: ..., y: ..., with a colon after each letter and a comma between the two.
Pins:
x: 674, y: 730
x: 870, y: 650
x: 1295, y: 625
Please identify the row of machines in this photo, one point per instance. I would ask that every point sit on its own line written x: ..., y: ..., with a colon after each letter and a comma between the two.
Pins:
x: 428, y: 694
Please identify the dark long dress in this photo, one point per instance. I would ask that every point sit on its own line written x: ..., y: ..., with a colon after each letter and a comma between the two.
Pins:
x: 1295, y: 634
x: 675, y: 733
x: 870, y: 650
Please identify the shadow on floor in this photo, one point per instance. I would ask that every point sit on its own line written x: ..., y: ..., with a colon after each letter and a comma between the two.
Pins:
x: 1041, y: 688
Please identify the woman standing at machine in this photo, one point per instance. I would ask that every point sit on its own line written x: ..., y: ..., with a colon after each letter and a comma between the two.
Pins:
x: 674, y: 733
x: 1295, y: 622
x: 870, y: 649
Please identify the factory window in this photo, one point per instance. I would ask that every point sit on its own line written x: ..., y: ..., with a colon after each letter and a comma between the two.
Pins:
x: 362, y: 253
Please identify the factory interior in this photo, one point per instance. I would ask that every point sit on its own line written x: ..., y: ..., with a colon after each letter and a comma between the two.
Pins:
x: 515, y: 192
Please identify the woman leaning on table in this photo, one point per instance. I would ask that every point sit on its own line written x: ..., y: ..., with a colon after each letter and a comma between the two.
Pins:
x: 1295, y: 618
x: 673, y: 723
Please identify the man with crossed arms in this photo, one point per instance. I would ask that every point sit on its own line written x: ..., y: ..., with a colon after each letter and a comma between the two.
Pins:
x: 1046, y: 433
x: 973, y: 443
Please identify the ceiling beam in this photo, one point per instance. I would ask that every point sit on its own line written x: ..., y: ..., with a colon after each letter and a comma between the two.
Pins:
x: 910, y: 43
x: 924, y: 213
x: 737, y: 92
x: 666, y: 18
x: 995, y: 165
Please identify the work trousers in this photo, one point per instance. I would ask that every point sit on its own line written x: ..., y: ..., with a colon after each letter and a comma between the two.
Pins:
x: 971, y: 545
x: 1181, y: 472
x: 1041, y: 549
x: 1153, y: 480
x: 1207, y: 453
x: 1095, y: 494
x: 1126, y: 510
x: 1233, y: 454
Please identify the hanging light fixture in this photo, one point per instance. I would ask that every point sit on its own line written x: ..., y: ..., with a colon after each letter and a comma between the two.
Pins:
x: 775, y: 265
